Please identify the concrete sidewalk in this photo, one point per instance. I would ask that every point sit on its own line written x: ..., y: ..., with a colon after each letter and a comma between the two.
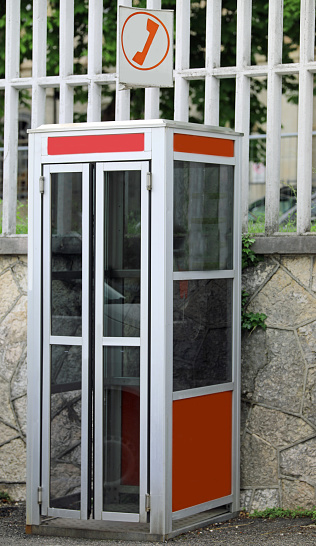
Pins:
x: 240, y: 531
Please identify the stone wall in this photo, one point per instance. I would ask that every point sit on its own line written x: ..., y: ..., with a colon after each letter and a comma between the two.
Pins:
x: 13, y: 315
x: 278, y: 452
x: 278, y: 445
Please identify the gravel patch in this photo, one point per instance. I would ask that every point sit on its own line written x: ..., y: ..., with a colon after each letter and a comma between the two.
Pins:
x: 236, y: 532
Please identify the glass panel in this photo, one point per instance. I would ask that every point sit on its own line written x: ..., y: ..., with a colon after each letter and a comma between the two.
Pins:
x: 203, y: 216
x: 202, y: 333
x: 65, y: 431
x: 122, y: 246
x: 66, y: 244
x: 121, y: 429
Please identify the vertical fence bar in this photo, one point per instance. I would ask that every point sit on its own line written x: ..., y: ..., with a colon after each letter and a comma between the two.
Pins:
x: 305, y: 117
x: 152, y: 94
x: 66, y: 54
x: 274, y: 95
x: 212, y: 60
x: 11, y: 105
x: 181, y: 92
x: 94, y: 58
x: 242, y: 105
x: 123, y: 97
x: 39, y: 61
x: 152, y: 103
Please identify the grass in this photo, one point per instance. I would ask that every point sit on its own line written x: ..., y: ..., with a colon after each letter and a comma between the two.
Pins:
x: 21, y: 218
x: 259, y: 226
x: 283, y: 513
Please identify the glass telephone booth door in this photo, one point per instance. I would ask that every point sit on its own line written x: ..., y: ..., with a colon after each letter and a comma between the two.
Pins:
x: 95, y: 340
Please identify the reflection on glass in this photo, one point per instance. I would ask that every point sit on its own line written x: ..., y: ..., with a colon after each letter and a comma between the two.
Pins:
x: 66, y: 245
x: 122, y: 247
x: 203, y: 216
x: 202, y: 333
x: 121, y: 429
x: 65, y: 429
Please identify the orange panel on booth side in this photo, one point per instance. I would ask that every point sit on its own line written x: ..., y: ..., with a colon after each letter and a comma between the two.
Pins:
x: 202, y: 447
x: 192, y: 144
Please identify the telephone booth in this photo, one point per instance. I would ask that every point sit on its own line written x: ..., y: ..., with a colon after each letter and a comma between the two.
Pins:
x: 134, y: 328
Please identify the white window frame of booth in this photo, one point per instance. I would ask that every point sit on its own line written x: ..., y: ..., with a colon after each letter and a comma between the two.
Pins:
x: 212, y: 74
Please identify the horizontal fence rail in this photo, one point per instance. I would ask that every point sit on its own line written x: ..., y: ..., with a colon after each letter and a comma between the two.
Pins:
x: 212, y: 74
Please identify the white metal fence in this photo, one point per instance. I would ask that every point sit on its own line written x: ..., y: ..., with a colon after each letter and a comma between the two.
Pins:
x: 212, y: 74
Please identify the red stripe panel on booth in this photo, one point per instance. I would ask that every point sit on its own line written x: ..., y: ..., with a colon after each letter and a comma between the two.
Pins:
x: 96, y: 144
x: 202, y: 449
x: 190, y: 144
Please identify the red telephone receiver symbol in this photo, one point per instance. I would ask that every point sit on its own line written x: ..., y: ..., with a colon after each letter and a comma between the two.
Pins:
x: 152, y: 28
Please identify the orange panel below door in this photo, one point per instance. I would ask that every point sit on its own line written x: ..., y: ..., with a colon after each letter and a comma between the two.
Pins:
x: 202, y: 446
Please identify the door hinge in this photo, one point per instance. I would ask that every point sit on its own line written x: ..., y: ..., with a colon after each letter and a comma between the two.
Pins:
x: 39, y: 495
x: 147, y: 502
x: 41, y: 184
x: 149, y: 185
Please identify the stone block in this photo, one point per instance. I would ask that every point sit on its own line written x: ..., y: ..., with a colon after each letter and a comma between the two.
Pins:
x: 253, y: 359
x: 245, y: 499
x: 17, y: 492
x: 13, y: 462
x: 259, y: 464
x: 254, y: 277
x: 307, y: 337
x: 6, y: 413
x: 9, y: 292
x: 20, y: 275
x: 284, y: 301
x: 296, y: 493
x: 300, y: 267
x: 299, y: 462
x: 9, y: 359
x: 314, y: 276
x: 6, y: 433
x: 19, y: 381
x: 265, y: 498
x: 13, y: 328
x: 280, y: 382
x: 20, y: 408
x: 6, y: 262
x: 309, y: 404
x: 244, y: 412
x: 277, y: 428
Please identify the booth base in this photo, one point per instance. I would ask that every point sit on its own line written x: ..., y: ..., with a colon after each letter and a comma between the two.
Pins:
x: 112, y: 530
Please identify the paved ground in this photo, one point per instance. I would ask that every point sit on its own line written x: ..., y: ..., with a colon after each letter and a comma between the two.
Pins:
x: 237, y: 532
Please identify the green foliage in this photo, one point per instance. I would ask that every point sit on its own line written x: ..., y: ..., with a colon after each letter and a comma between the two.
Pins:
x: 5, y: 497
x: 282, y: 513
x: 259, y: 226
x: 249, y: 257
x: 21, y: 218
x: 249, y: 320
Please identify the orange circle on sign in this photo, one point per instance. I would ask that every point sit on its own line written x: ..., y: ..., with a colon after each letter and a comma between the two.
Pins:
x: 166, y: 31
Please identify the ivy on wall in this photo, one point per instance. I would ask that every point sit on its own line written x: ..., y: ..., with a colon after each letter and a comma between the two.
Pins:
x: 249, y: 320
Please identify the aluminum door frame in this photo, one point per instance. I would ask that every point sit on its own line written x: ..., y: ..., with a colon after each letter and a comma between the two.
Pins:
x: 49, y: 340
x: 101, y: 341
